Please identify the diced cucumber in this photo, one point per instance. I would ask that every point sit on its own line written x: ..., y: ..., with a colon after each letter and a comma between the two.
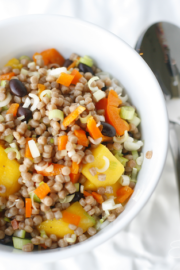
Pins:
x: 127, y: 112
x: 1, y: 118
x: 86, y: 60
x: 136, y: 120
x: 135, y: 154
x: 43, y: 234
x: 134, y: 174
x: 98, y: 95
x: 138, y: 167
x: 24, y: 71
x: 122, y: 160
x: 117, y: 152
x: 35, y: 197
x: 56, y: 114
x: 77, y: 186
x: 3, y: 83
x: 10, y: 149
x: 9, y: 138
x: 20, y: 233
x: 67, y: 199
x: 25, y: 57
x: 19, y: 242
x: 14, y: 145
x: 5, y: 108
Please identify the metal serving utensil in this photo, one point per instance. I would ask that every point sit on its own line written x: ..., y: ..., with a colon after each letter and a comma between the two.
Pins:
x: 159, y: 46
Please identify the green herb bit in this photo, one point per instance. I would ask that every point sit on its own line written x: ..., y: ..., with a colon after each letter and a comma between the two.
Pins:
x: 7, y: 219
x: 51, y: 140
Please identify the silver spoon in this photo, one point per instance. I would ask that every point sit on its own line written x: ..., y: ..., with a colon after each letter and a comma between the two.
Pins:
x: 159, y: 46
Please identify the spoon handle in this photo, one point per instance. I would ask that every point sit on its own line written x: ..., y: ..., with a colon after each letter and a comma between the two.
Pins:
x: 174, y: 136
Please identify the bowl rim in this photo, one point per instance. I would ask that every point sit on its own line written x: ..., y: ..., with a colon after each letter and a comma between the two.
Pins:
x: 92, y: 242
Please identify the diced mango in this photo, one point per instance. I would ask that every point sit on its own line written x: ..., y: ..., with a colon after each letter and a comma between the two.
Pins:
x: 9, y: 174
x: 89, y: 186
x: 86, y: 220
x: 14, y: 63
x: 115, y: 187
x: 113, y: 173
x: 61, y: 228
x: 57, y: 227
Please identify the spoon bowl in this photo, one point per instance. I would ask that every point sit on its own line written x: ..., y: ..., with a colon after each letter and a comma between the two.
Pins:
x: 159, y: 47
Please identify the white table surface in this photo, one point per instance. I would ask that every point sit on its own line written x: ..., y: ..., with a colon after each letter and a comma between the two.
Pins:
x: 146, y: 243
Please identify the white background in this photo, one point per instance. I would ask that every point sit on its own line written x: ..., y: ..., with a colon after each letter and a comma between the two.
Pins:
x: 145, y: 243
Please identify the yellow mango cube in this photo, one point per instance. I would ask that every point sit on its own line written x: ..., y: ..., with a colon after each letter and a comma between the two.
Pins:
x: 89, y: 186
x: 14, y: 63
x: 61, y: 228
x: 57, y: 227
x: 115, y: 187
x: 113, y: 173
x: 9, y: 174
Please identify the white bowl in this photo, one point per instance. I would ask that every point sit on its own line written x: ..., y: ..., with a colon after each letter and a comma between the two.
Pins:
x: 34, y: 33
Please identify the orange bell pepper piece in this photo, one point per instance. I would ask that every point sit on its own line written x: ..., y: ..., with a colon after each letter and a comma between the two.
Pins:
x: 71, y: 218
x: 28, y: 207
x: 93, y: 130
x: 73, y: 63
x: 65, y: 79
x: 41, y: 88
x: 86, y: 194
x: 74, y: 168
x: 72, y: 116
x: 34, y: 56
x: 113, y: 99
x: 52, y: 56
x: 102, y: 104
x: 62, y: 141
x: 74, y: 177
x: 82, y: 138
x: 42, y: 190
x: 7, y: 76
x: 113, y: 118
x: 97, y: 197
x: 77, y: 75
x: 13, y: 109
x: 124, y: 193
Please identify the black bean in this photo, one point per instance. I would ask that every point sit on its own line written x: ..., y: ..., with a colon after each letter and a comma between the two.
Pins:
x: 104, y: 88
x: 108, y: 130
x: 17, y: 88
x: 67, y: 63
x: 78, y: 196
x: 130, y: 134
x: 26, y: 112
x: 7, y: 240
x: 84, y: 68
